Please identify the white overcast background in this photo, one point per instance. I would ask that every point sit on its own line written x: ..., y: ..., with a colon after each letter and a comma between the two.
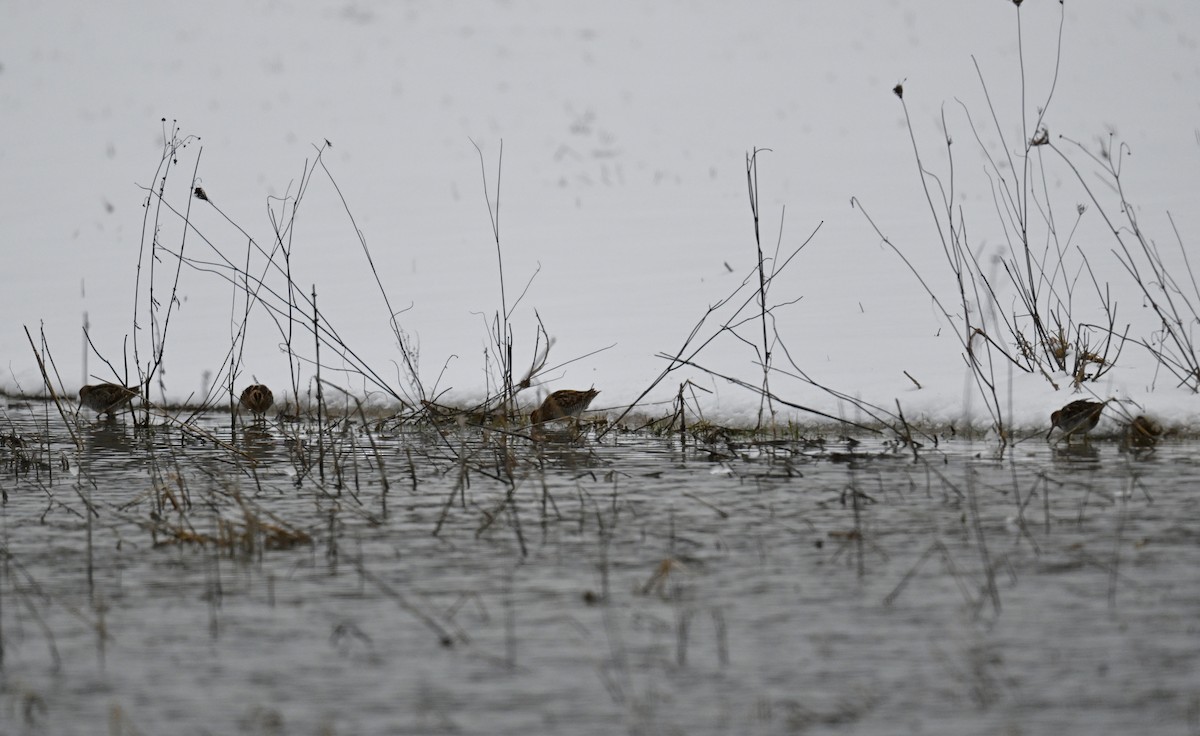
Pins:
x: 624, y: 126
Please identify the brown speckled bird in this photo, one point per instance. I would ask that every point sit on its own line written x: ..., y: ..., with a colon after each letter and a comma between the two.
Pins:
x: 1078, y: 416
x: 563, y: 404
x: 1142, y: 433
x: 257, y: 399
x: 107, y: 398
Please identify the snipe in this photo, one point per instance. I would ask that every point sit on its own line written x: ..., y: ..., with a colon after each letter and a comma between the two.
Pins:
x: 564, y: 404
x: 257, y: 399
x: 107, y: 398
x: 1080, y: 417
x: 1142, y: 433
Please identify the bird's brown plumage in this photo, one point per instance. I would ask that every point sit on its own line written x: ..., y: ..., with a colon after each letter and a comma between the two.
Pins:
x: 257, y: 399
x: 107, y: 398
x: 1080, y: 416
x: 562, y: 405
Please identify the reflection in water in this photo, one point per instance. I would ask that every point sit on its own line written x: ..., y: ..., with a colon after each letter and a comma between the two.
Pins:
x: 258, y: 442
x: 1082, y: 451
x: 782, y: 591
x: 107, y: 437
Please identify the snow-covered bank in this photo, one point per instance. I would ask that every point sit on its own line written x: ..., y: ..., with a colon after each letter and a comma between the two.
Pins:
x: 623, y: 187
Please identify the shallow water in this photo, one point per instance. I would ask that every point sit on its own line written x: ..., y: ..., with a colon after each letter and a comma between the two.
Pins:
x: 631, y: 585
